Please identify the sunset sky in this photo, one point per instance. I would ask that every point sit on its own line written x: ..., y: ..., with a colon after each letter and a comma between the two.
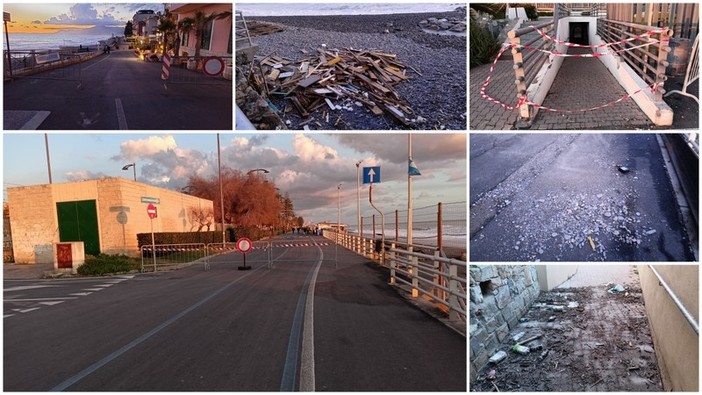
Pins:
x: 50, y: 18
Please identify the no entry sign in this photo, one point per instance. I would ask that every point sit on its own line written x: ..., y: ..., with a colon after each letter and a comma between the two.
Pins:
x: 151, y: 210
x: 243, y: 245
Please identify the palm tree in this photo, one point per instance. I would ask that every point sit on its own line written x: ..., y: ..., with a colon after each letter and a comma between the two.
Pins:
x: 168, y: 28
x: 198, y: 23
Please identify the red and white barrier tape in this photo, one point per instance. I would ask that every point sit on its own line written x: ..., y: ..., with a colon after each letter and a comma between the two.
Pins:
x: 582, y: 55
x: 525, y: 100
x: 637, y: 37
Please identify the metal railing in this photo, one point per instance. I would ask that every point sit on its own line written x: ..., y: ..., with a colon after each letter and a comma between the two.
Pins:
x: 648, y: 61
x: 441, y: 226
x: 171, y: 255
x: 692, y: 73
x: 676, y: 300
x: 443, y: 280
x: 526, y: 67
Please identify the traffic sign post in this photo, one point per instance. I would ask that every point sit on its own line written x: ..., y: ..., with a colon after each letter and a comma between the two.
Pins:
x: 371, y: 175
x: 244, y: 245
x: 152, y: 213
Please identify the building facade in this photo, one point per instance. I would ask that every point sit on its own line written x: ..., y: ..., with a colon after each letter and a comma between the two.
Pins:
x: 105, y: 214
x: 216, y: 39
x: 145, y: 23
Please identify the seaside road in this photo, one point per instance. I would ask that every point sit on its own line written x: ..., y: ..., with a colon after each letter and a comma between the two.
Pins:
x: 118, y: 92
x: 302, y: 324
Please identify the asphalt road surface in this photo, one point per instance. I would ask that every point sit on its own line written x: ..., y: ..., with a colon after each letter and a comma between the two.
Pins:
x: 120, y: 92
x: 315, y: 320
x: 562, y: 197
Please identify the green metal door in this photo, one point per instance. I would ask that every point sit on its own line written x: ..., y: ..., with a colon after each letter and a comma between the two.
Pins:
x: 78, y: 222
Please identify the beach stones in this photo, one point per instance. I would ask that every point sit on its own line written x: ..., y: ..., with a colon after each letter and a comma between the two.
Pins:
x: 454, y: 25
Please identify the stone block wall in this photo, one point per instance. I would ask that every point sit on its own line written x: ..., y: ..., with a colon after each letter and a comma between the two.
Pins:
x: 499, y: 296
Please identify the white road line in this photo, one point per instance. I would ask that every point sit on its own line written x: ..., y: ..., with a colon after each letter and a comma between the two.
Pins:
x: 307, y: 379
x: 7, y: 315
x: 38, y: 299
x: 99, y: 61
x: 121, y: 118
x: 105, y: 285
x: 26, y: 287
x: 26, y: 310
x: 93, y: 289
x: 52, y: 303
x: 81, y: 294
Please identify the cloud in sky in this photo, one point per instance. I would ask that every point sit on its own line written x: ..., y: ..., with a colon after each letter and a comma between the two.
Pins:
x: 83, y: 175
x: 309, y: 170
x: 99, y: 14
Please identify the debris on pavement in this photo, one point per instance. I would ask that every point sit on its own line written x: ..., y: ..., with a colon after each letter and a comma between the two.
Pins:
x: 623, y: 169
x: 606, y: 347
x: 336, y: 80
x: 616, y: 289
x: 499, y: 356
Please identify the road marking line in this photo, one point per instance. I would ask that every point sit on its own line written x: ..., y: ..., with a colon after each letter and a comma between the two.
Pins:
x: 99, y: 61
x: 105, y: 285
x: 307, y: 378
x: 302, y: 327
x: 93, y: 289
x: 52, y: 303
x: 26, y: 287
x: 7, y: 315
x: 116, y: 354
x: 36, y: 120
x: 121, y: 118
x: 81, y: 294
x: 26, y: 310
x: 38, y: 299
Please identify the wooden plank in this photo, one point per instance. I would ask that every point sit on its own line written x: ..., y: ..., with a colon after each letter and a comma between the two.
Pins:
x: 274, y: 74
x: 309, y: 80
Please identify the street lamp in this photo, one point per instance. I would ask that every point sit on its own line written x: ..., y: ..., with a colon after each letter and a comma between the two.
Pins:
x: 338, y: 219
x: 264, y: 171
x: 358, y: 196
x: 127, y: 166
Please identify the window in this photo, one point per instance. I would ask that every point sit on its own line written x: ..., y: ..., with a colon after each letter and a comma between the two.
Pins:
x: 206, y: 38
x: 184, y: 40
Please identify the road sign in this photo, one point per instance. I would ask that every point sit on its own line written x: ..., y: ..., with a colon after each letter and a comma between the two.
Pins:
x: 213, y: 66
x: 6, y: 17
x: 371, y: 175
x: 152, y: 200
x: 243, y: 245
x: 151, y: 210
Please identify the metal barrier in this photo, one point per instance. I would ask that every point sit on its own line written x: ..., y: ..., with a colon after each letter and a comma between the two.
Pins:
x: 648, y: 61
x: 49, y: 65
x: 526, y: 67
x: 171, y: 255
x: 692, y: 73
x: 442, y: 279
x: 219, y: 249
x: 183, y: 71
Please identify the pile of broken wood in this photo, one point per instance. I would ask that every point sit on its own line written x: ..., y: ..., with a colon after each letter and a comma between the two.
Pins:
x: 336, y: 80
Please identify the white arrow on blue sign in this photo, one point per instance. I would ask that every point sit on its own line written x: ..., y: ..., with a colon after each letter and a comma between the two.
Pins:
x: 371, y: 175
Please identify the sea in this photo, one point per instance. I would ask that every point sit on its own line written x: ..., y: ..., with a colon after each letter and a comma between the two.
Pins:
x: 297, y: 9
x: 423, y: 233
x: 67, y: 37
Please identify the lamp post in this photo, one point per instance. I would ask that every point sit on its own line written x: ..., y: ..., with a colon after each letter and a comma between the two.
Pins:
x: 46, y: 143
x: 338, y: 219
x: 264, y: 171
x: 127, y: 166
x: 358, y: 196
x: 221, y: 190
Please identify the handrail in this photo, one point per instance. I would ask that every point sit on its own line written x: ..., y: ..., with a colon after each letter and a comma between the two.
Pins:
x: 688, y: 316
x: 432, y: 275
x: 527, y: 30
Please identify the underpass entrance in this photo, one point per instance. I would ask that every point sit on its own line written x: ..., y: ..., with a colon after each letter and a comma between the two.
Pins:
x: 578, y: 33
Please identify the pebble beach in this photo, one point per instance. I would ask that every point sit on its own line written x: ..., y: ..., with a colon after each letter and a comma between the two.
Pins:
x: 437, y: 87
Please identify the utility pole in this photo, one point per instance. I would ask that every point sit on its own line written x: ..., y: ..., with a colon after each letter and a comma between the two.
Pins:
x: 358, y: 196
x: 48, y: 158
x: 221, y: 191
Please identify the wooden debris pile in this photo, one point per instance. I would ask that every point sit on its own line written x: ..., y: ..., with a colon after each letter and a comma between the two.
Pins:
x: 338, y: 80
x: 258, y: 28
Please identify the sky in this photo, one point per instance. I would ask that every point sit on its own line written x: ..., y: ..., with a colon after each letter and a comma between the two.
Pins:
x: 306, y: 167
x: 52, y: 17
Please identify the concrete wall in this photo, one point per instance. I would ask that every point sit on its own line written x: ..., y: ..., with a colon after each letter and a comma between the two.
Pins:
x: 121, y: 215
x: 551, y: 276
x: 499, y: 296
x: 675, y: 342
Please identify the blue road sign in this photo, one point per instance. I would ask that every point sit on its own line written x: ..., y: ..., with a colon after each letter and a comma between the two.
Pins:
x: 371, y: 175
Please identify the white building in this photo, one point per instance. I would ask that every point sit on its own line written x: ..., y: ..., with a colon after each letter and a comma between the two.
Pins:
x: 145, y: 23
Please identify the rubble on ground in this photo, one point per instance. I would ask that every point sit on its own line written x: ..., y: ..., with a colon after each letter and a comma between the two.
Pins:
x: 453, y: 25
x: 335, y: 81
